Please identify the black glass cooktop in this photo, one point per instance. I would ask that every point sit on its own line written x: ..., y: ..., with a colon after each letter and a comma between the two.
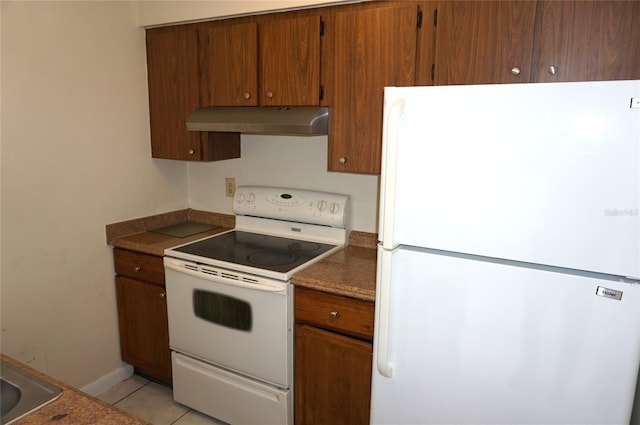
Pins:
x: 256, y: 250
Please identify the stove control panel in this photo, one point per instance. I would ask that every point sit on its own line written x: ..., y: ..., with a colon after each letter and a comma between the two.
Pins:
x: 299, y: 205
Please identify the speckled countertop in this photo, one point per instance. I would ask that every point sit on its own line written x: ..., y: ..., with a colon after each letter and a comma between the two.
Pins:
x: 350, y: 272
x: 73, y: 407
x: 135, y: 235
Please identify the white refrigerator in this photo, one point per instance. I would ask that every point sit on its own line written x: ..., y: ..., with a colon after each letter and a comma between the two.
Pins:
x: 508, y: 285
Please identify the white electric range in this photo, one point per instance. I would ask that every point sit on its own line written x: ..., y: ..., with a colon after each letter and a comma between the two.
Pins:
x: 230, y: 302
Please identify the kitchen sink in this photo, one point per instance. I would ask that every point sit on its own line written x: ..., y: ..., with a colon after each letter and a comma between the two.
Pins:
x: 22, y: 393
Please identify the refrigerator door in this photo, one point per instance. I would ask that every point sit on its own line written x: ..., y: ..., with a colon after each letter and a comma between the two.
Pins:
x: 540, y: 173
x: 475, y: 342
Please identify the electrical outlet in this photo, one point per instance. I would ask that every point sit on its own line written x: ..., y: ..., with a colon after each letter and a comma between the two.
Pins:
x: 230, y: 186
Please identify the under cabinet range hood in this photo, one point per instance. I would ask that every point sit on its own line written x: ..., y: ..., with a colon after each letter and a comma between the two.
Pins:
x: 281, y: 120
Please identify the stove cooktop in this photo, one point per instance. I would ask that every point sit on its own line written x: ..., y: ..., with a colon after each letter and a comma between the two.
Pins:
x: 256, y: 250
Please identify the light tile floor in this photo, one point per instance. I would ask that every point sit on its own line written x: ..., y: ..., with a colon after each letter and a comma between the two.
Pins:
x: 153, y: 403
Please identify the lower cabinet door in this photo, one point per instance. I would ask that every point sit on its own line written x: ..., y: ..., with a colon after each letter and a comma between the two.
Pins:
x: 332, y: 378
x: 144, y: 332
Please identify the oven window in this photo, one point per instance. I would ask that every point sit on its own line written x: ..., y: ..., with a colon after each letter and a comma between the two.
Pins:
x: 222, y: 309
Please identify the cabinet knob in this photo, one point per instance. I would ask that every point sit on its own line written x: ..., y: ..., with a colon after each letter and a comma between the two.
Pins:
x: 552, y: 70
x: 333, y: 314
x: 163, y: 294
x: 137, y: 269
x: 342, y: 160
x: 515, y: 70
x: 247, y: 95
x: 191, y: 151
x: 270, y: 94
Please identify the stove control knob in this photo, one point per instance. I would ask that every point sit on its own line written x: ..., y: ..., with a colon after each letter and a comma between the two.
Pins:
x: 322, y: 205
x: 335, y: 207
x: 240, y: 197
x: 251, y: 197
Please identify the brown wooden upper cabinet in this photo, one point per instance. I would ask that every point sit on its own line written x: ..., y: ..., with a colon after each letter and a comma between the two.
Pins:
x: 173, y: 69
x: 365, y: 48
x: 482, y: 42
x: 525, y: 41
x: 172, y: 75
x: 229, y: 64
x: 290, y: 60
x: 587, y: 40
x: 271, y: 60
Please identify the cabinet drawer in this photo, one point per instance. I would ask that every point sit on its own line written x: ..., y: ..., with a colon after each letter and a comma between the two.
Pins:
x: 334, y: 312
x: 136, y: 265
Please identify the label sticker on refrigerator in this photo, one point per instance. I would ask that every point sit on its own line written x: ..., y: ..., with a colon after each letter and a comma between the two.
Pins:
x: 635, y: 102
x: 609, y: 293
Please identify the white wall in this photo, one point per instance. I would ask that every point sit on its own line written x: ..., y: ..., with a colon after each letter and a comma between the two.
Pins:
x: 75, y: 156
x: 298, y: 162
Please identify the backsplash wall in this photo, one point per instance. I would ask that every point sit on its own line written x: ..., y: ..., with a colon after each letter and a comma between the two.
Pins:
x: 283, y: 161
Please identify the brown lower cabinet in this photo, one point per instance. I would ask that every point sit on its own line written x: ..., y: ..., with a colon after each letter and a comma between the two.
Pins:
x: 142, y: 314
x: 333, y: 355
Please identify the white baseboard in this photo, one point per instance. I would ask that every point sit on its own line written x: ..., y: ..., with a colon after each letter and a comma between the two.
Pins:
x: 109, y: 380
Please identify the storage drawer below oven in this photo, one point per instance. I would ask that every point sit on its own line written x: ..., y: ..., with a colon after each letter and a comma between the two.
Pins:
x: 227, y: 396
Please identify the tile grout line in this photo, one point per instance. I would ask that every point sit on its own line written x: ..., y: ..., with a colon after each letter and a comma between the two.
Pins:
x: 131, y: 393
x: 183, y: 415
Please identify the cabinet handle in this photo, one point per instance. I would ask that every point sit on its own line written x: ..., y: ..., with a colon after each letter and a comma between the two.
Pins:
x: 333, y: 314
x: 342, y: 160
x: 191, y: 151
x: 163, y: 294
x: 270, y: 94
x: 552, y: 70
x: 515, y: 70
x: 137, y: 269
x: 247, y: 95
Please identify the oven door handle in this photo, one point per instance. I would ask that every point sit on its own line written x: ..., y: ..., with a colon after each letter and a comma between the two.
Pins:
x: 229, y: 278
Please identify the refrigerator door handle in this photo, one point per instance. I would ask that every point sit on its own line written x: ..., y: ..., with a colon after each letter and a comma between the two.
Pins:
x: 388, y: 177
x: 385, y: 367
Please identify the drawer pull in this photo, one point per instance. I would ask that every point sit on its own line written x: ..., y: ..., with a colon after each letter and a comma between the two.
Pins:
x: 137, y: 269
x: 333, y: 314
x: 163, y: 294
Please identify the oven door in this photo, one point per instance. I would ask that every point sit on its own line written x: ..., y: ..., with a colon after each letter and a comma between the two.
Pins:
x: 239, y: 322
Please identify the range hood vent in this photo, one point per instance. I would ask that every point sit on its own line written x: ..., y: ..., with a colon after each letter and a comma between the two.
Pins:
x: 282, y: 120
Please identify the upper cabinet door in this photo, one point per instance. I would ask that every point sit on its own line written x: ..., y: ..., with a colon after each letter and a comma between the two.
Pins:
x: 483, y: 42
x: 370, y: 48
x: 587, y: 40
x: 230, y: 64
x: 289, y: 59
x: 172, y: 73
